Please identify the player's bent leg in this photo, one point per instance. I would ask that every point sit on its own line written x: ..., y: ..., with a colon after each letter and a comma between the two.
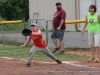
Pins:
x: 32, y: 52
x: 30, y: 60
x: 31, y: 57
x: 48, y: 53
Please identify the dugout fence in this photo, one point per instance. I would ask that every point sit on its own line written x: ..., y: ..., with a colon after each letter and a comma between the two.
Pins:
x: 72, y: 39
x: 11, y: 30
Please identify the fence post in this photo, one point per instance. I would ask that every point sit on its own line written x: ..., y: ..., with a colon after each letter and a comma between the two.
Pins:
x: 24, y: 27
x: 2, y: 32
x: 2, y: 28
x: 47, y: 32
x: 29, y: 23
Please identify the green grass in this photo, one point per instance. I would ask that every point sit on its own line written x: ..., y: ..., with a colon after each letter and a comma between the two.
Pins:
x: 13, y: 51
x: 20, y: 53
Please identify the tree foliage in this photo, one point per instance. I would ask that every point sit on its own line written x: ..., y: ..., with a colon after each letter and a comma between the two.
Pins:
x: 14, y: 9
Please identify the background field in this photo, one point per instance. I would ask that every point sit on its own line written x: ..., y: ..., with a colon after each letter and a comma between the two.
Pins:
x: 13, y: 59
x: 18, y: 52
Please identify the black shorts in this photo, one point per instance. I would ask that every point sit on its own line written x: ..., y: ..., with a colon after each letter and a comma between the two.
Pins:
x: 57, y: 34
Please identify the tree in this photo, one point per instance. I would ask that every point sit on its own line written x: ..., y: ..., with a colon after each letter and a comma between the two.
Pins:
x: 14, y: 9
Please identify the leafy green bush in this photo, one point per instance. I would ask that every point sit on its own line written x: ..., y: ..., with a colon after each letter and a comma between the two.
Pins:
x: 14, y: 9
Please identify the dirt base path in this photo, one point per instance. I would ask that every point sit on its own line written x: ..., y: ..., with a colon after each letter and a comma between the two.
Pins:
x: 17, y: 67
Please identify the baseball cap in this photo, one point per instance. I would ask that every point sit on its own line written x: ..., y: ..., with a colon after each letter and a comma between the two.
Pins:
x: 33, y: 24
x: 58, y: 3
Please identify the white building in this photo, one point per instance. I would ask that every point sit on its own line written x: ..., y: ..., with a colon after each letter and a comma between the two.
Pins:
x: 75, y: 10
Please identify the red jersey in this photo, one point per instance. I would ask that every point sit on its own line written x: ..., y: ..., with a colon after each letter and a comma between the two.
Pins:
x: 38, y: 40
x: 58, y: 15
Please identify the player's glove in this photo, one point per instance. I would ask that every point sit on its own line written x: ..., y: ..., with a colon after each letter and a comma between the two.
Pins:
x: 26, y: 32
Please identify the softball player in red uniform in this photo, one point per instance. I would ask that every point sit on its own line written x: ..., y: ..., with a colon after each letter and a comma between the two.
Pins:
x: 39, y: 45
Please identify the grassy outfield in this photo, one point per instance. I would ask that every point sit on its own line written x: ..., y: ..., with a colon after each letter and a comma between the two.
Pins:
x: 20, y: 53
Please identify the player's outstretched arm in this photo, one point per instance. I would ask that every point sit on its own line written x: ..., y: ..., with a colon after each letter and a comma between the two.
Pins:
x: 27, y: 41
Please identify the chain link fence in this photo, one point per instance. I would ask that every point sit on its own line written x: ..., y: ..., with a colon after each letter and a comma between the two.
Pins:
x: 12, y: 32
x: 72, y: 39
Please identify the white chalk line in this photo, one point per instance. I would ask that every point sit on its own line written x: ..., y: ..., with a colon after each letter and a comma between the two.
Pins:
x: 72, y: 63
